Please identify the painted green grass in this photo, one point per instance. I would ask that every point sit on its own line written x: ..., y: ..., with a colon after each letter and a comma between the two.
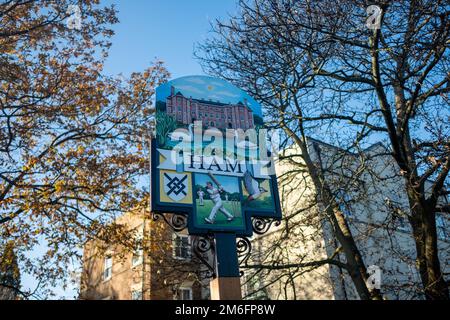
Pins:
x: 221, y: 220
x: 265, y: 203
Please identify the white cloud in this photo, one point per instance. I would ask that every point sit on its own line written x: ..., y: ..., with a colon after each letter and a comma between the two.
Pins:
x: 228, y: 94
x: 196, y: 80
x: 217, y: 84
x: 190, y: 88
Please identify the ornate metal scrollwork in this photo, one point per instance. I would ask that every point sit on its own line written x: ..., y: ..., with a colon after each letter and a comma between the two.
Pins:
x: 262, y: 225
x: 178, y: 222
x: 204, y: 250
x: 204, y: 246
x: 244, y: 250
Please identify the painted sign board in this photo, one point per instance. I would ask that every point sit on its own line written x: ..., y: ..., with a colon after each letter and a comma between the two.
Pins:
x: 211, y: 157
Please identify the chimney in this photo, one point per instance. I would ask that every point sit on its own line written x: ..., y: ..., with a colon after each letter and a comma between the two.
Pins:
x: 172, y: 90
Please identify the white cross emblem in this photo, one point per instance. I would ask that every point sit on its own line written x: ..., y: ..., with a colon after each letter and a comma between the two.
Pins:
x: 175, y: 186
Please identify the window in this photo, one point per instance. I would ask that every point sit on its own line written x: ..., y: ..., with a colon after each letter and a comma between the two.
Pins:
x: 136, y: 295
x: 252, y: 287
x: 402, y: 223
x: 184, y: 293
x: 181, y: 247
x: 440, y: 227
x: 138, y: 253
x: 107, y: 268
x: 138, y: 256
x: 343, y: 200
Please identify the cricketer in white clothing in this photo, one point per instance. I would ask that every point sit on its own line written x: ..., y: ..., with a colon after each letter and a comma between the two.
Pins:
x: 200, y: 197
x: 214, y: 194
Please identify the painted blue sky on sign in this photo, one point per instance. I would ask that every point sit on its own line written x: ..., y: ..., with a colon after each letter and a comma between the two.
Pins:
x: 208, y: 88
x: 229, y: 184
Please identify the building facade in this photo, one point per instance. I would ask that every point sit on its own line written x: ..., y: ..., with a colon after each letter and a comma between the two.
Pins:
x: 213, y: 113
x: 373, y: 199
x: 161, y: 267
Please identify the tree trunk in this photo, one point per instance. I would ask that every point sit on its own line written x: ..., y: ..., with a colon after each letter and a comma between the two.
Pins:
x: 355, y: 261
x: 357, y: 268
x: 423, y: 222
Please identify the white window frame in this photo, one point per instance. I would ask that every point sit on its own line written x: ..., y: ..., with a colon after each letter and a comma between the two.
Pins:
x: 138, y: 257
x: 138, y: 254
x: 343, y: 199
x: 402, y: 223
x: 107, y: 266
x: 441, y: 228
x: 138, y: 291
x: 184, y: 288
x: 174, y: 247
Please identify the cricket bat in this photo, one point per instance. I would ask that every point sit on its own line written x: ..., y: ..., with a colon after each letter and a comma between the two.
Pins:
x: 213, y: 178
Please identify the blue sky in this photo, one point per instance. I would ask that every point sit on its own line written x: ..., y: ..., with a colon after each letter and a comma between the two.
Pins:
x: 229, y: 184
x: 150, y: 29
x: 166, y: 30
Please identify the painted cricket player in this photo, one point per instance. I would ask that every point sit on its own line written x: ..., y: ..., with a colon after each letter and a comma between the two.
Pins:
x: 214, y: 194
x: 200, y: 194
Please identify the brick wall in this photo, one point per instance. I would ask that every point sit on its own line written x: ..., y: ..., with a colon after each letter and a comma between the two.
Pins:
x: 158, y: 276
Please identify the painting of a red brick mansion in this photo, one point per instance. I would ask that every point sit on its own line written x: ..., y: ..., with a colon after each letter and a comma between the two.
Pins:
x: 216, y: 114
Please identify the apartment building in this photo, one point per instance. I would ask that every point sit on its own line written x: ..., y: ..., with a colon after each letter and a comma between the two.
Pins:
x: 213, y: 113
x: 373, y: 199
x: 160, y: 267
